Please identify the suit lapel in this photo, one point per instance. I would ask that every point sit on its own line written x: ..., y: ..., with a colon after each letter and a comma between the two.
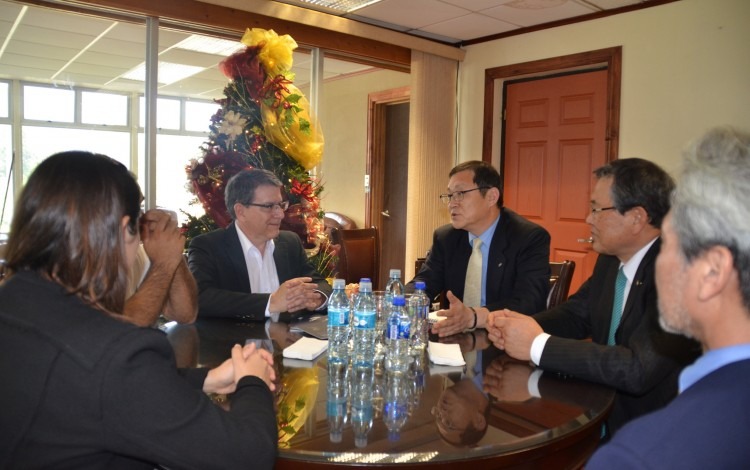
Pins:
x: 281, y: 258
x: 233, y: 249
x: 643, y: 277
x: 496, y: 259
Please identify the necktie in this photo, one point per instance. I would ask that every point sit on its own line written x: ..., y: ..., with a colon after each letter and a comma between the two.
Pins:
x: 473, y: 285
x: 617, y: 306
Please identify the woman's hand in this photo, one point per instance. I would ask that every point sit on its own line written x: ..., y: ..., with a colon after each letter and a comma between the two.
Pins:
x: 247, y: 360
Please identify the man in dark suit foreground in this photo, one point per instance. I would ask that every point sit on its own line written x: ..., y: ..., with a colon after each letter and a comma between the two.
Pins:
x: 628, y: 351
x: 512, y: 270
x: 253, y: 270
x: 703, y: 277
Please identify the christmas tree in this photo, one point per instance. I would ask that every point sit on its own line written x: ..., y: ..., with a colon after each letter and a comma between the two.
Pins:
x: 264, y: 121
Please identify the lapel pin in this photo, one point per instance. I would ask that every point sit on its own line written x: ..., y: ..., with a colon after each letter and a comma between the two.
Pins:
x: 638, y: 283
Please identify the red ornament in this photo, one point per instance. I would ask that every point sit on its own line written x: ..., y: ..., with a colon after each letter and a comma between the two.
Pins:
x: 209, y: 178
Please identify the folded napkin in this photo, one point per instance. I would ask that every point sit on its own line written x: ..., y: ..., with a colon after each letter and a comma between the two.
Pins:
x: 306, y: 349
x: 444, y: 370
x: 433, y: 317
x: 297, y: 363
x: 445, y: 354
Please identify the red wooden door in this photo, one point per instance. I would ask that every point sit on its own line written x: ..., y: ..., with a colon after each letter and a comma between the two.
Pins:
x: 554, y: 138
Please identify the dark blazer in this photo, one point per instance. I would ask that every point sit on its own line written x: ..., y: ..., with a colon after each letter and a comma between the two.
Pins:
x: 84, y: 389
x: 518, y: 264
x: 706, y: 426
x: 218, y: 265
x: 644, y: 364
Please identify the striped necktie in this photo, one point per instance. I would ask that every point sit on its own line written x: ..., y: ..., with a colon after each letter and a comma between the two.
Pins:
x: 617, y: 306
x: 473, y: 284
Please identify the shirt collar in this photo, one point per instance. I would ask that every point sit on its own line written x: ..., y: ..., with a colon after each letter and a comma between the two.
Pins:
x: 247, y: 244
x: 487, y: 235
x: 631, y: 267
x: 711, y: 361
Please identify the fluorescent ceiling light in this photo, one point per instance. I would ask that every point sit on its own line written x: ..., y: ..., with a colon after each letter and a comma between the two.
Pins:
x: 168, y: 72
x: 209, y: 45
x: 343, y: 6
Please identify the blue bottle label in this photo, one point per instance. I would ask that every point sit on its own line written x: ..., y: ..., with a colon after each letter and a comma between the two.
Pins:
x: 399, y: 330
x: 338, y: 317
x: 364, y: 319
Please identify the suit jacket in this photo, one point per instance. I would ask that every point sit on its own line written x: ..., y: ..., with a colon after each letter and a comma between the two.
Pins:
x: 645, y: 362
x: 517, y: 267
x: 218, y: 265
x: 706, y: 426
x: 85, y: 389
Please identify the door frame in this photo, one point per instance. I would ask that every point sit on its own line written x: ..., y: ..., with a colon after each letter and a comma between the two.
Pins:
x: 610, y: 58
x: 375, y: 162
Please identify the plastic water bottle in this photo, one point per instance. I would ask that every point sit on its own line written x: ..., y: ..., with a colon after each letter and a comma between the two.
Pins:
x: 337, y: 396
x: 395, y: 411
x: 338, y: 323
x: 364, y: 326
x: 397, y: 356
x: 419, y: 308
x: 394, y: 286
x: 362, y: 404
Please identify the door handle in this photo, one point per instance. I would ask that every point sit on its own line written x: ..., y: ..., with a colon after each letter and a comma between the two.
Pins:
x: 385, y: 213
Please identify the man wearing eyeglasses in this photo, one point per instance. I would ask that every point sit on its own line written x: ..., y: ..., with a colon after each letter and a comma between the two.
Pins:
x: 487, y: 258
x: 252, y: 269
x: 616, y: 308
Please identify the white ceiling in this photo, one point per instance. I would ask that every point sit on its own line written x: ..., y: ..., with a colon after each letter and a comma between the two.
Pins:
x: 68, y: 49
x: 455, y: 21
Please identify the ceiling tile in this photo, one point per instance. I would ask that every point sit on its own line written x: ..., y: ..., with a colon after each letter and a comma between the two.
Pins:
x: 532, y: 17
x: 470, y: 26
x: 411, y: 13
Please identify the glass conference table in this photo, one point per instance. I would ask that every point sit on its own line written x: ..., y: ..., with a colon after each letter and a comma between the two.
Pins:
x: 494, y: 413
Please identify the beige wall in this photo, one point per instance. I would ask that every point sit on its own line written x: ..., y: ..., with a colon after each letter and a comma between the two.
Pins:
x: 343, y: 117
x: 686, y: 67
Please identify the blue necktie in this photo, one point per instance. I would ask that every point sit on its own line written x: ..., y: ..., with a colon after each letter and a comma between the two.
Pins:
x: 620, y: 283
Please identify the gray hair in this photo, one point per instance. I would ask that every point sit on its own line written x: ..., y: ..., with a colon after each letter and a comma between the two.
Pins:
x: 241, y: 187
x: 711, y: 205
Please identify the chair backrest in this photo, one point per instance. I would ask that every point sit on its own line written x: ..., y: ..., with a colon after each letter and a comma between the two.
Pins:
x: 339, y: 221
x: 560, y: 277
x: 360, y: 255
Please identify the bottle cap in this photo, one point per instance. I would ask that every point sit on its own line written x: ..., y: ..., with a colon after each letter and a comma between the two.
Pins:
x: 419, y: 285
x: 365, y: 285
x: 395, y: 273
x: 360, y: 441
x: 399, y: 301
x: 339, y: 283
x: 335, y: 437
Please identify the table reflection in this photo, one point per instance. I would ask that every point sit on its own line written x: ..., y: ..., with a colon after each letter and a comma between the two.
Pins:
x: 494, y: 410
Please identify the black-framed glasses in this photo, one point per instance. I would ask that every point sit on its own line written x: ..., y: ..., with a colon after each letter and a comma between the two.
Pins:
x: 458, y: 196
x: 602, y: 209
x: 283, y: 205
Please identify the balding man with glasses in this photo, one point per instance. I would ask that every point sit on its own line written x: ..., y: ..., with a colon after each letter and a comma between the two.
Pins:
x: 487, y: 258
x: 253, y: 270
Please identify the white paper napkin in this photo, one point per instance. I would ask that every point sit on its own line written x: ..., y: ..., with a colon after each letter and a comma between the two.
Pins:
x: 433, y: 317
x: 445, y: 354
x: 306, y: 349
x: 436, y: 369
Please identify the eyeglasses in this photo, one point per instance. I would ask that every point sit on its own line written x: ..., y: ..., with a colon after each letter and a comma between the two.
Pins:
x: 601, y: 209
x: 458, y: 196
x: 283, y: 205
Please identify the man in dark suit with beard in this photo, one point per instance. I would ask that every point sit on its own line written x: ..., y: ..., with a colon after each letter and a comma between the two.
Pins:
x: 252, y: 270
x: 616, y: 307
